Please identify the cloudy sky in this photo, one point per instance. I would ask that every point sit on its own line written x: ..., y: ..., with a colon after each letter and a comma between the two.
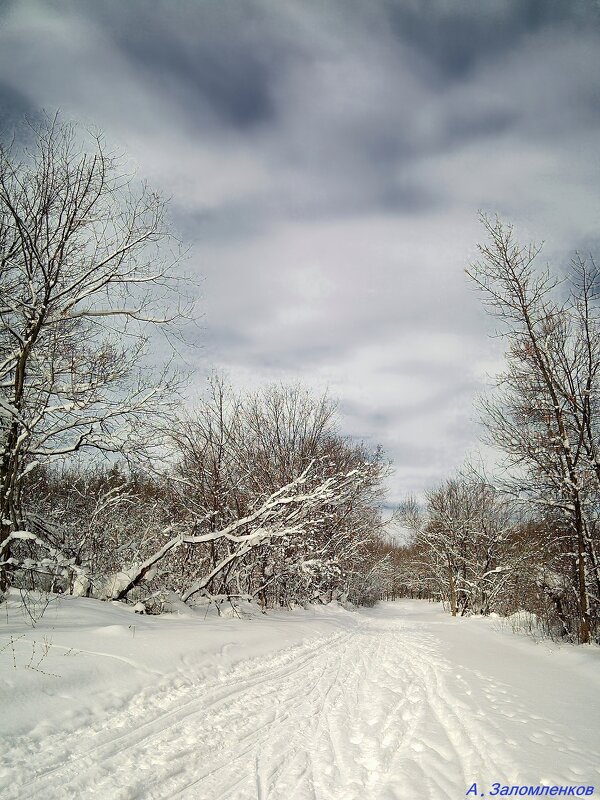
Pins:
x: 326, y: 162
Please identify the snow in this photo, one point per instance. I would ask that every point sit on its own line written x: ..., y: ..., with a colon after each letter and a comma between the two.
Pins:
x: 396, y: 702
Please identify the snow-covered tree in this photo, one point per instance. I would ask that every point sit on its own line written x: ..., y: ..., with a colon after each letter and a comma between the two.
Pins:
x: 464, y: 547
x: 99, y: 520
x: 234, y: 451
x: 83, y: 277
x: 545, y: 414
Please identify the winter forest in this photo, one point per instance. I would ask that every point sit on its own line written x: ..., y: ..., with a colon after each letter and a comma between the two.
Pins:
x: 299, y: 399
x: 119, y: 486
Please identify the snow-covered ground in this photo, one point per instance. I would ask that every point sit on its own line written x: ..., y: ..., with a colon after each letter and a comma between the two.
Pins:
x: 399, y: 701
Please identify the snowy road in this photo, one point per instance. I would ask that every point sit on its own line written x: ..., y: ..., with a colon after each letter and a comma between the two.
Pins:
x: 402, y: 703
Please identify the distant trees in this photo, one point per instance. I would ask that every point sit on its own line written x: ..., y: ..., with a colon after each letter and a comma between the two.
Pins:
x: 464, y: 544
x: 82, y: 278
x: 545, y: 414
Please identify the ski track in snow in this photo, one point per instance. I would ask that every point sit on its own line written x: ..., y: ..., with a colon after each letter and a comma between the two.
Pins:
x: 375, y: 712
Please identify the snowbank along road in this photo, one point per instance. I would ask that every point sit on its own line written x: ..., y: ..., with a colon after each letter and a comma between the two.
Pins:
x: 398, y: 702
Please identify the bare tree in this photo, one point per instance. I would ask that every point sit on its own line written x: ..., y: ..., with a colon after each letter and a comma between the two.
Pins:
x: 100, y: 520
x: 235, y: 451
x: 545, y: 412
x: 463, y: 545
x: 293, y: 511
x: 84, y: 275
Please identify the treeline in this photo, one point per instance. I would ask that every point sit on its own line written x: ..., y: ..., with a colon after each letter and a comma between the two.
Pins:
x: 475, y: 549
x: 528, y: 539
x: 109, y: 490
x: 263, y: 501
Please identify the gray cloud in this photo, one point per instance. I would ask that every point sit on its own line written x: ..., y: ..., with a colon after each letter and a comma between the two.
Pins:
x: 15, y: 108
x: 459, y: 37
x: 327, y: 162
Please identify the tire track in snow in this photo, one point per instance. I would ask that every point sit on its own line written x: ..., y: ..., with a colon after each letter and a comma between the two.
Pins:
x: 299, y: 703
x: 290, y: 705
x: 363, y: 714
x: 86, y: 750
